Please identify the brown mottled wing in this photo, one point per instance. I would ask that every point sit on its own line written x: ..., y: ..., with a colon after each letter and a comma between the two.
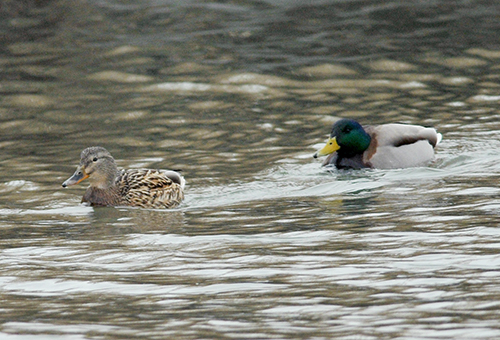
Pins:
x: 149, y: 189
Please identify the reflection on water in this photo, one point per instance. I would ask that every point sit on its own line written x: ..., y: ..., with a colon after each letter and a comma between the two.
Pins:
x: 239, y: 96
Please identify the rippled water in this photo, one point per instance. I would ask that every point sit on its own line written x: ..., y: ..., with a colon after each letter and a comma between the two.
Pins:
x: 239, y: 96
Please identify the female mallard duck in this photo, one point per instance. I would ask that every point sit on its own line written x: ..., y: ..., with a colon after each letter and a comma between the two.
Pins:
x: 109, y: 186
x: 385, y: 146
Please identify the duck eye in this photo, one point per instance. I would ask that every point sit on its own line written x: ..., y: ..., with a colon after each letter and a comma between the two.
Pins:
x: 95, y: 159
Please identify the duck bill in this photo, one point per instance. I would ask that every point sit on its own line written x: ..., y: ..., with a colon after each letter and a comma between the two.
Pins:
x: 77, y: 177
x: 330, y: 147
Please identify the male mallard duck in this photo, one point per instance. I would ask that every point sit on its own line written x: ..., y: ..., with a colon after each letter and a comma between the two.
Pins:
x: 385, y: 146
x: 109, y: 186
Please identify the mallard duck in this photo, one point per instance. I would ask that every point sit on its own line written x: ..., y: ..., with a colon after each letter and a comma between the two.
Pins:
x: 145, y: 188
x: 386, y: 146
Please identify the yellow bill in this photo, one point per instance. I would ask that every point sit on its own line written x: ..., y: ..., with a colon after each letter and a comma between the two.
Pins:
x: 330, y: 147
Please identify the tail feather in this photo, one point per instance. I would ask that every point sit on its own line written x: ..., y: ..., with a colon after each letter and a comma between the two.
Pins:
x: 439, y: 138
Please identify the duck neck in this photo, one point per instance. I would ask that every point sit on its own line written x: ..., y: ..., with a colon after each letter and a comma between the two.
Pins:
x: 355, y: 145
x: 102, y: 197
x: 105, y: 179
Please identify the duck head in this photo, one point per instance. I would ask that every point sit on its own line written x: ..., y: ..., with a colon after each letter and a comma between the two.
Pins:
x: 347, y: 137
x: 96, y: 164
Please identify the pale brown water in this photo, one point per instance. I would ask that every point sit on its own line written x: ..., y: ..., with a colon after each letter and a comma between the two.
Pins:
x: 239, y: 96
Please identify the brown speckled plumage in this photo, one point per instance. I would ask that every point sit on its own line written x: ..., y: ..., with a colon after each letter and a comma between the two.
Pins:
x: 145, y: 188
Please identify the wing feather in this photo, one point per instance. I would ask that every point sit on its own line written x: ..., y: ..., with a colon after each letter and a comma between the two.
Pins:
x: 401, y: 146
x: 149, y: 188
x: 402, y: 134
